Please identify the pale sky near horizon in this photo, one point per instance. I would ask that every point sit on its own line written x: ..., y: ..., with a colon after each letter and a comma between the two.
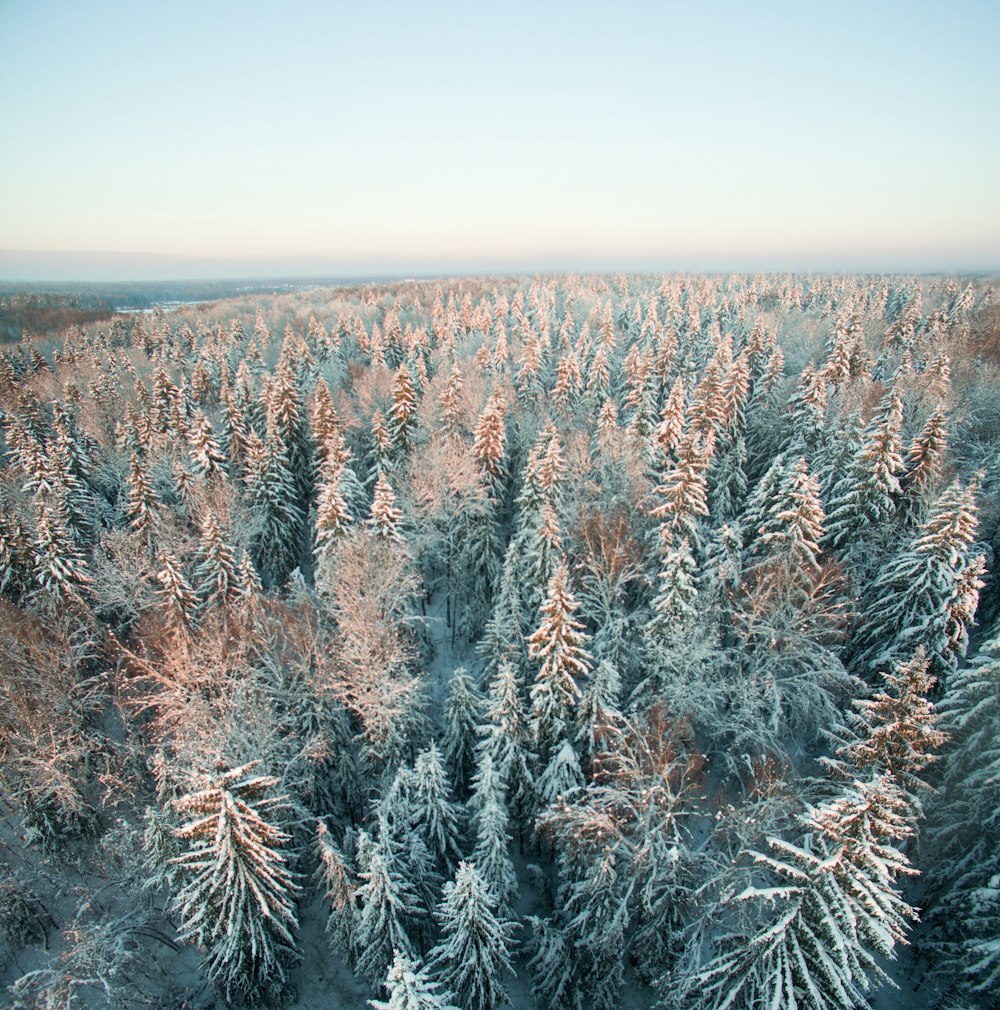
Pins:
x: 221, y: 138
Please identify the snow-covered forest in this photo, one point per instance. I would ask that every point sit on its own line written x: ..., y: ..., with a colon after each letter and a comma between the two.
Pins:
x: 575, y: 642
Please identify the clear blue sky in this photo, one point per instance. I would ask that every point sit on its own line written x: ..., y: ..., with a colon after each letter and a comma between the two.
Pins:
x: 422, y: 137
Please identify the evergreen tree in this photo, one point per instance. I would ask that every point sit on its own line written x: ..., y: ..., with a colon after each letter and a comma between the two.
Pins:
x: 964, y: 827
x: 215, y: 580
x: 927, y: 595
x: 141, y: 502
x: 560, y: 647
x: 492, y: 851
x: 178, y: 597
x: 561, y: 776
x: 209, y: 460
x: 869, y: 493
x: 409, y: 987
x: 504, y: 737
x: 385, y: 519
x: 272, y: 497
x: 237, y: 895
x: 435, y: 815
x: 474, y: 952
x: 387, y: 901
x: 461, y: 720
x: 833, y: 913
x: 339, y: 888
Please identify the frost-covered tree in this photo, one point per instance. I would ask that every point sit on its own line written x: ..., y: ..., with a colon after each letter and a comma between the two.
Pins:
x: 410, y: 987
x: 215, y: 580
x: 236, y: 895
x: 462, y: 715
x: 561, y: 776
x: 824, y: 913
x: 559, y: 645
x: 492, y: 850
x: 387, y: 901
x: 962, y: 847
x: 339, y: 888
x: 435, y: 814
x: 927, y: 595
x: 475, y: 949
x: 385, y: 519
x: 505, y: 737
x: 869, y: 494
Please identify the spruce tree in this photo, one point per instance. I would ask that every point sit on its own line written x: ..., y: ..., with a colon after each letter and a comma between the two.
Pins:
x: 475, y: 948
x: 237, y: 896
x: 410, y: 987
x: 559, y: 645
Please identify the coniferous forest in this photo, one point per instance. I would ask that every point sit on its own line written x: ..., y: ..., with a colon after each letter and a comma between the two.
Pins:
x: 571, y: 642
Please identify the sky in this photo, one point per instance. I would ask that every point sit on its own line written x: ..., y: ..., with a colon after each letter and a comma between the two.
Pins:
x: 213, y: 139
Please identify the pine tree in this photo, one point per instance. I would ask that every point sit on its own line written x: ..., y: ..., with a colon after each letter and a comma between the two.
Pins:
x: 833, y: 913
x: 926, y: 597
x: 209, y: 460
x: 386, y: 902
x: 963, y: 836
x: 598, y: 711
x: 410, y: 988
x: 401, y: 414
x: 561, y: 776
x: 598, y: 919
x: 59, y: 565
x: 489, y: 445
x: 504, y: 737
x: 271, y: 495
x: 237, y: 895
x: 474, y: 952
x: 869, y: 493
x: 141, y: 502
x: 339, y: 888
x: 675, y: 605
x: 559, y: 646
x: 178, y: 597
x: 894, y: 730
x: 435, y: 815
x: 385, y: 518
x: 215, y: 580
x: 492, y: 850
x: 461, y: 719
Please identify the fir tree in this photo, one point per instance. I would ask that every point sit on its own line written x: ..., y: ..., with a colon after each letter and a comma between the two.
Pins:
x: 927, y: 595
x: 385, y: 518
x: 559, y: 646
x: 237, y: 895
x: 409, y: 987
x: 474, y: 952
x: 435, y: 815
x: 387, y: 900
x: 215, y: 580
x: 461, y: 719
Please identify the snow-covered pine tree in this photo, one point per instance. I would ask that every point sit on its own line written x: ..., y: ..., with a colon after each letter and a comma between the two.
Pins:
x: 207, y: 455
x: 385, y: 520
x: 410, y: 987
x: 339, y: 888
x: 475, y: 949
x: 271, y: 494
x: 927, y: 595
x: 561, y: 776
x: 237, y: 896
x: 488, y: 806
x: 141, y: 502
x: 963, y: 833
x: 387, y: 901
x: 401, y: 414
x: 505, y: 738
x: 215, y: 580
x: 436, y: 816
x: 559, y: 645
x: 868, y: 495
x: 825, y: 915
x: 462, y: 716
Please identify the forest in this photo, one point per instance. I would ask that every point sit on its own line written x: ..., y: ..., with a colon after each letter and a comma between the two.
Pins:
x: 571, y: 642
